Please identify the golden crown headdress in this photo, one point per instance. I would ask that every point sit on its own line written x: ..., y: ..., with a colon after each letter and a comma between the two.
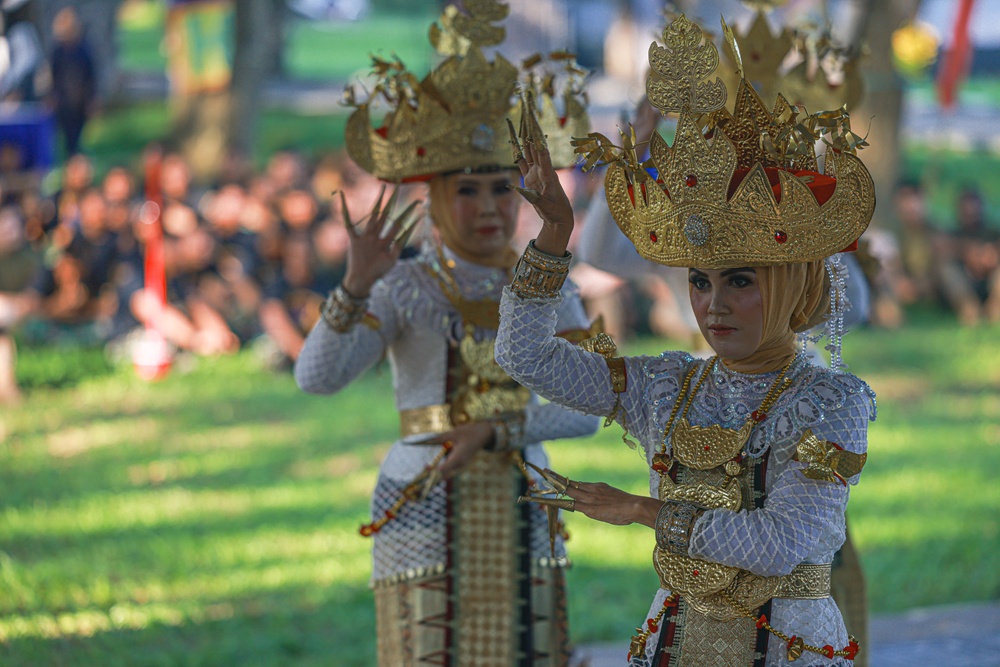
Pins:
x: 735, y: 189
x: 801, y: 62
x: 455, y: 118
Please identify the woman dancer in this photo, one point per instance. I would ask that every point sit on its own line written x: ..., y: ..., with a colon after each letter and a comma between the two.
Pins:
x: 462, y: 574
x: 752, y: 451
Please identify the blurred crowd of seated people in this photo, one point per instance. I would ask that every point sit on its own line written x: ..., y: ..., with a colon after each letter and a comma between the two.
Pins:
x: 248, y: 260
x: 954, y: 266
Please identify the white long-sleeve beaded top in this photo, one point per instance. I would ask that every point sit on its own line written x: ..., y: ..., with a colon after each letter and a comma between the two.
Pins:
x: 418, y: 326
x: 801, y: 520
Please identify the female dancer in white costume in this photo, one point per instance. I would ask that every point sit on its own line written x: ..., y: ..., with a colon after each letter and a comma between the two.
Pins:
x: 463, y: 575
x: 752, y: 451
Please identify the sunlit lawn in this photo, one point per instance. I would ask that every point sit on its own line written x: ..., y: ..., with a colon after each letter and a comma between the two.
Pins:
x: 210, y: 518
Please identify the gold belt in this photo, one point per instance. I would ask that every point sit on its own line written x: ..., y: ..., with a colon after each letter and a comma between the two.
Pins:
x: 747, y: 591
x: 428, y: 419
x: 805, y: 582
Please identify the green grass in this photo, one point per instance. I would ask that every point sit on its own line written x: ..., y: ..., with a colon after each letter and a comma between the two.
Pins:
x: 210, y: 518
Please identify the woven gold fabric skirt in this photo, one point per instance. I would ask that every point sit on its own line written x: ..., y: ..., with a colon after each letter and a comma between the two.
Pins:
x: 493, y: 604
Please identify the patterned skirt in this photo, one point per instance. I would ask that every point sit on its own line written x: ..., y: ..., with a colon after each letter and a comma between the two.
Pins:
x: 466, y: 577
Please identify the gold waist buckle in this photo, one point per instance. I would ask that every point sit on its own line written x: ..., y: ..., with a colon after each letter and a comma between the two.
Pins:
x: 428, y: 419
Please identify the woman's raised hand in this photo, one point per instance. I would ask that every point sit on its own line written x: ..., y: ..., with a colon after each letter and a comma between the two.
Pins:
x: 374, y: 248
x: 542, y: 188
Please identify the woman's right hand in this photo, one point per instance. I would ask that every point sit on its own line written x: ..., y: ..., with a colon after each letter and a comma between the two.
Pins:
x: 373, y: 250
x: 542, y: 188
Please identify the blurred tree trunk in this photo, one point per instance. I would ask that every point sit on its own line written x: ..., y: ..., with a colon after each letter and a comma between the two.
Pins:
x: 257, y: 58
x: 880, y: 112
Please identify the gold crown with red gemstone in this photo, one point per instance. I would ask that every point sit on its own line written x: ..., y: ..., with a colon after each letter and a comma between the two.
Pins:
x: 735, y: 189
x: 455, y: 118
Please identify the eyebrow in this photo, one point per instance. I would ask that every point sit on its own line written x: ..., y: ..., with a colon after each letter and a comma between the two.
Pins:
x: 727, y: 272
x: 477, y: 183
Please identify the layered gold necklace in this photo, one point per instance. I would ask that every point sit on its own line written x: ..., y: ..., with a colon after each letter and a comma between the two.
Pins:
x: 706, y: 447
x: 483, y: 313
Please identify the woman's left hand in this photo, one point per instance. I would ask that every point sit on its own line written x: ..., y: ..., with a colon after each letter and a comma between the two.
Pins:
x: 466, y: 441
x: 604, y: 502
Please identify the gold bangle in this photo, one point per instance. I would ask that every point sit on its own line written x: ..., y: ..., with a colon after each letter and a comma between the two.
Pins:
x: 539, y: 275
x: 341, y: 311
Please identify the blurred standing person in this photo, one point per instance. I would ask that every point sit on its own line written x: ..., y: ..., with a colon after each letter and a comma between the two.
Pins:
x: 74, y: 78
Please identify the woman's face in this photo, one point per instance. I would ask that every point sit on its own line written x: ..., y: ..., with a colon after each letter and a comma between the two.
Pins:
x: 485, y: 212
x: 728, y: 308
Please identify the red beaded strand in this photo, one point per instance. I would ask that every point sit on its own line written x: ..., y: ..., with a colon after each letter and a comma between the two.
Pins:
x: 411, y: 491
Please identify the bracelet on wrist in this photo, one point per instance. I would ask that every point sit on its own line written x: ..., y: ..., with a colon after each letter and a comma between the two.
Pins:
x: 673, y: 526
x: 341, y: 311
x: 508, y: 433
x: 539, y: 275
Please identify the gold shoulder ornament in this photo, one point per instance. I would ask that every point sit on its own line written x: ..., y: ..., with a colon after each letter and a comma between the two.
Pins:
x: 828, y: 461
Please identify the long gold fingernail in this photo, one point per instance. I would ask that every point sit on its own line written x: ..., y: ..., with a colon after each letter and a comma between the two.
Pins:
x: 515, y: 145
x: 557, y: 481
x: 407, y: 225
x: 391, y: 204
x: 343, y: 211
x: 561, y: 503
x: 377, y: 209
x: 533, y: 196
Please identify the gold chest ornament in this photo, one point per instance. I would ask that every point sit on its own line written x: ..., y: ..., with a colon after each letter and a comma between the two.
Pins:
x: 483, y: 390
x: 712, y: 455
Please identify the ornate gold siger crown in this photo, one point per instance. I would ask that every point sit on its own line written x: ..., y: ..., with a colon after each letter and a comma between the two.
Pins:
x: 740, y: 189
x: 455, y: 118
x: 825, y: 75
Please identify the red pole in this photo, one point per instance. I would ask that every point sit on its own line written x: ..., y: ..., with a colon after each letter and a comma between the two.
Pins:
x: 959, y: 57
x: 151, y: 357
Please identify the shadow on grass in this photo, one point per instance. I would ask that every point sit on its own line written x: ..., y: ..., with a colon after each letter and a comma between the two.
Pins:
x: 303, y: 627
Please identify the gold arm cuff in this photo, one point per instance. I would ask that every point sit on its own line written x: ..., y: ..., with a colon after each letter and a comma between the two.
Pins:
x: 619, y: 379
x: 428, y: 419
x: 538, y: 275
x: 805, y: 582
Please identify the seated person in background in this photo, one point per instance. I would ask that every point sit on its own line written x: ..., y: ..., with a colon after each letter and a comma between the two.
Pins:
x: 233, y: 288
x: 15, y: 179
x: 78, y: 176
x: 292, y: 300
x: 73, y: 292
x: 971, y: 270
x: 188, y: 320
x: 18, y: 263
x: 920, y: 243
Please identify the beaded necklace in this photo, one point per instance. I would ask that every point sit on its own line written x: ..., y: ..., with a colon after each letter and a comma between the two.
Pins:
x: 705, y: 447
x: 483, y: 313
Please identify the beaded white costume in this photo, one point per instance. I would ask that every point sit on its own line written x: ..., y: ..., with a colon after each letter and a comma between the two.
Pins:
x: 798, y: 519
x: 435, y: 593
